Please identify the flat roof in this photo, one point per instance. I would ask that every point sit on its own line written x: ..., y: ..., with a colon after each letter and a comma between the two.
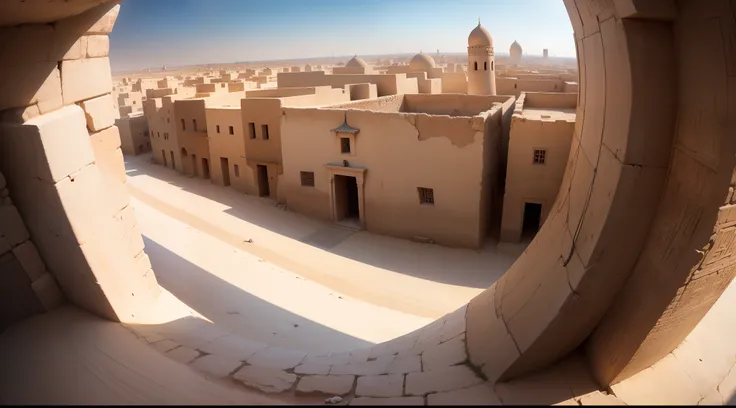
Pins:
x: 548, y: 114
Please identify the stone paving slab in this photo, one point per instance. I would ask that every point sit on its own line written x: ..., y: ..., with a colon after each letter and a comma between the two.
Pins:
x: 326, y: 384
x: 380, y: 386
x: 269, y: 380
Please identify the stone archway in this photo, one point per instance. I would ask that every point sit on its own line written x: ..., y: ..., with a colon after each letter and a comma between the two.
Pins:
x: 645, y: 209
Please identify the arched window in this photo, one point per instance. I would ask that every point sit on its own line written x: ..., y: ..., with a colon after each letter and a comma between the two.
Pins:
x: 194, y: 124
x: 183, y: 125
x: 492, y: 63
x: 475, y: 66
x: 485, y: 66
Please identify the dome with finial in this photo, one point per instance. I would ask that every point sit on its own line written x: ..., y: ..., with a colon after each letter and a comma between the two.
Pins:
x: 356, y: 62
x: 421, y: 62
x: 516, y: 47
x: 480, y: 37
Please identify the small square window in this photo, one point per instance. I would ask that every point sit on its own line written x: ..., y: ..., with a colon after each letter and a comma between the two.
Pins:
x: 426, y: 195
x: 307, y: 178
x: 252, y: 130
x: 237, y: 170
x: 232, y: 130
x: 344, y: 145
x: 217, y: 127
x: 540, y: 155
x: 264, y: 132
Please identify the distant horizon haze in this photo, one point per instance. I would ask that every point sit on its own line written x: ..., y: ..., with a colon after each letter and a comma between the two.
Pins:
x: 196, y: 32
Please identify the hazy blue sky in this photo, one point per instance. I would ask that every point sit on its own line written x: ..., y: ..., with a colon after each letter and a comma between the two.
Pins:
x: 182, y: 32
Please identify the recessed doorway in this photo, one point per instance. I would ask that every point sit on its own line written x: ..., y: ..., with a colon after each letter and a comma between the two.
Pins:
x: 347, y: 206
x: 532, y: 220
x: 263, y: 189
x: 225, y: 167
x: 205, y: 168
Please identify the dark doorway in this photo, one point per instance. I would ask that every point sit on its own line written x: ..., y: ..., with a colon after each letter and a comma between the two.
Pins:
x: 263, y: 189
x: 173, y: 163
x: 205, y: 168
x: 225, y: 166
x: 346, y: 198
x: 532, y: 218
x: 195, y: 171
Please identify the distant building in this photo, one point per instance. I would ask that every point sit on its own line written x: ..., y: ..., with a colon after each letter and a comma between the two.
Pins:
x: 542, y: 129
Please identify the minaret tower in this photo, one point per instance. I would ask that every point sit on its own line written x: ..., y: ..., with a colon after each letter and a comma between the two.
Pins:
x: 481, y: 62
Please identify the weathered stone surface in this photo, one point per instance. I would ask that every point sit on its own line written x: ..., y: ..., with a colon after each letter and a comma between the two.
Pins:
x: 233, y: 346
x: 52, y: 146
x: 47, y: 291
x: 375, y: 367
x: 32, y: 83
x: 443, y: 379
x: 449, y: 353
x: 277, y: 357
x: 29, y: 258
x: 165, y: 345
x: 481, y: 394
x: 391, y: 385
x: 215, y: 365
x: 454, y: 324
x: 269, y: 380
x: 312, y: 368
x: 326, y: 384
x: 99, y: 113
x: 12, y: 226
x: 98, y: 46
x: 85, y: 78
x: 388, y: 401
x: 77, y: 50
x: 405, y: 365
x: 329, y: 358
x: 183, y: 354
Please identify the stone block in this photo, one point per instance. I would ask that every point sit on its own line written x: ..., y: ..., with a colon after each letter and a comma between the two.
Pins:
x: 17, y: 298
x: 98, y: 46
x: 49, y: 147
x: 388, y: 401
x: 183, y: 354
x: 32, y: 83
x: 77, y: 50
x: 48, y: 292
x: 329, y: 359
x: 376, y: 367
x: 313, y: 368
x: 29, y: 258
x: 165, y: 345
x: 12, y: 227
x: 130, y: 235
x: 277, y: 357
x: 391, y: 385
x: 449, y: 353
x: 268, y: 380
x: 106, y: 140
x: 99, y: 113
x: 440, y: 380
x: 217, y: 366
x: 233, y: 346
x: 97, y: 20
x: 82, y: 204
x: 326, y: 384
x: 481, y: 394
x: 85, y: 78
x: 405, y: 365
x: 142, y: 263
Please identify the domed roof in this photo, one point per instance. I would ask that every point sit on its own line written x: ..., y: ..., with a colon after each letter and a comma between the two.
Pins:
x: 421, y: 61
x: 356, y: 62
x: 480, y: 37
x: 516, y: 46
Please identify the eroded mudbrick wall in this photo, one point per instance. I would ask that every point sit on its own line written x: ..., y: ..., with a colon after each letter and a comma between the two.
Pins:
x: 60, y: 153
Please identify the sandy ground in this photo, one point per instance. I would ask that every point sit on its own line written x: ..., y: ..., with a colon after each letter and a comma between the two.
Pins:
x: 417, y: 279
x: 241, y: 293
